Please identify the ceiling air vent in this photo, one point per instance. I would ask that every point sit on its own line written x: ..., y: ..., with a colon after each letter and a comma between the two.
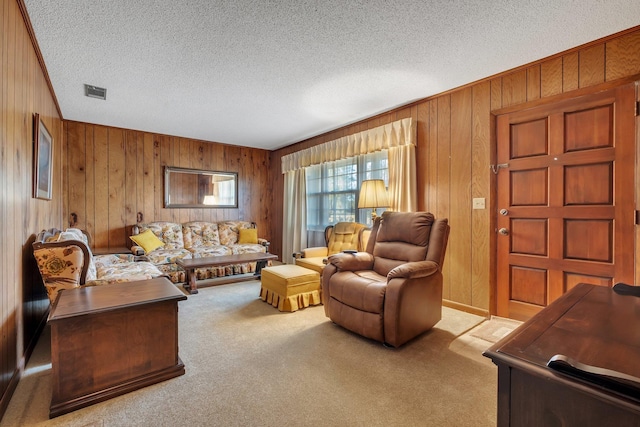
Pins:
x: 95, y: 92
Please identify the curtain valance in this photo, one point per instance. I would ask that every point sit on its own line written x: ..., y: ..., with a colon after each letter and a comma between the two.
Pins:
x: 392, y: 135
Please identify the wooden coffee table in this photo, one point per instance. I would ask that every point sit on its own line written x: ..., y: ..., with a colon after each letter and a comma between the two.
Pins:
x: 112, y: 339
x: 190, y: 265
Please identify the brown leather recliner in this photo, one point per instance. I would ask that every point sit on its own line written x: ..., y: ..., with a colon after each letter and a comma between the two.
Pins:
x: 392, y: 292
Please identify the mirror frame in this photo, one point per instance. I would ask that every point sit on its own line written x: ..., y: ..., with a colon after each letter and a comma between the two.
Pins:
x: 168, y: 170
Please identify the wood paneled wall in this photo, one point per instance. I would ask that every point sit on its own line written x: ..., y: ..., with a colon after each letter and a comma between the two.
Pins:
x: 24, y: 91
x: 111, y: 174
x: 455, y: 149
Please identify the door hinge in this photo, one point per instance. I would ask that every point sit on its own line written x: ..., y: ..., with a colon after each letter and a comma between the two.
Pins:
x: 637, y: 112
x: 637, y: 217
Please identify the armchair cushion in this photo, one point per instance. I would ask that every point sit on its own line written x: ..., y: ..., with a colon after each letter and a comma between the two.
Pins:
x: 318, y: 251
x: 345, y: 235
x: 200, y: 234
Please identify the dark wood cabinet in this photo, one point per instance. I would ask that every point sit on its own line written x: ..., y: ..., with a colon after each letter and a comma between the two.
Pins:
x: 592, y: 325
x: 113, y: 339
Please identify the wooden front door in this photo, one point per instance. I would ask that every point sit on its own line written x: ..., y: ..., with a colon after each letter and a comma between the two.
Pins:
x: 565, y: 200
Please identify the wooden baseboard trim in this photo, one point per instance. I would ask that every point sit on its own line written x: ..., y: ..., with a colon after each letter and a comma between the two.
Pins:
x: 466, y: 308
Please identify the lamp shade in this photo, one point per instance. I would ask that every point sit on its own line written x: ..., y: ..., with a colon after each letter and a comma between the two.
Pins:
x: 373, y: 194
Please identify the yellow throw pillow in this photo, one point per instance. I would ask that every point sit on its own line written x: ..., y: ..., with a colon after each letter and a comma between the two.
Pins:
x: 248, y: 235
x: 147, y: 240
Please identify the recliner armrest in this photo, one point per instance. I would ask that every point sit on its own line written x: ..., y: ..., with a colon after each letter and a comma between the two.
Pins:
x: 352, y: 262
x: 412, y: 270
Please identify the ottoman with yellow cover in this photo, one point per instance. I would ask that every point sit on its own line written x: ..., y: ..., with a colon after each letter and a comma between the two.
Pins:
x: 290, y: 287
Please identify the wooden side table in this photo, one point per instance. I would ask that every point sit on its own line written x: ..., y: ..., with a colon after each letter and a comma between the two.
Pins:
x: 591, y: 325
x: 113, y: 339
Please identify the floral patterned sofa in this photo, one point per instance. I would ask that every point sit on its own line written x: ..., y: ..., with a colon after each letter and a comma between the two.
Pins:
x: 198, y: 239
x: 65, y: 261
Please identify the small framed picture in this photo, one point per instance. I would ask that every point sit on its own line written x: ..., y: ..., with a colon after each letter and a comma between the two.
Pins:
x: 42, y: 159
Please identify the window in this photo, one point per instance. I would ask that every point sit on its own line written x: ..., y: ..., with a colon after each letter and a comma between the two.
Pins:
x: 333, y: 189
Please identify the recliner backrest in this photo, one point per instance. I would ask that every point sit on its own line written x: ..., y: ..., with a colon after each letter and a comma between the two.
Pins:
x: 343, y: 235
x: 401, y: 237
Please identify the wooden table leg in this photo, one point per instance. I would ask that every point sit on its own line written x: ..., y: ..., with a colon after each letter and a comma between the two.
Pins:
x: 191, y: 281
x: 259, y: 266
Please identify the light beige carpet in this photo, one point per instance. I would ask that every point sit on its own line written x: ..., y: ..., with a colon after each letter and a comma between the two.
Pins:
x: 475, y: 341
x: 247, y: 364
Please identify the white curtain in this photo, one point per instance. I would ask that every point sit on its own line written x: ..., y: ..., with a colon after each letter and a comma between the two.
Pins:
x: 403, y: 191
x: 294, y: 222
x: 396, y: 134
x: 398, y: 137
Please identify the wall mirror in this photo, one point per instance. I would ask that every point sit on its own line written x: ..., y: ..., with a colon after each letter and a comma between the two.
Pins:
x: 195, y: 188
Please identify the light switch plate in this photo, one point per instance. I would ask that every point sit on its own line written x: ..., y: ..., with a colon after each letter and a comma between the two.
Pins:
x: 478, y: 203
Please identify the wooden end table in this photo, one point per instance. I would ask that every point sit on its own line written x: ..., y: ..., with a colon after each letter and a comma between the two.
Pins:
x: 112, y: 339
x: 190, y: 265
x: 592, y: 325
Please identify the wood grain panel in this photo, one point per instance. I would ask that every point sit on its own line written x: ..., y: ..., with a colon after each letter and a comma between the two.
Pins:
x: 591, y: 66
x: 480, y: 187
x: 422, y: 155
x: 623, y: 56
x: 533, y: 83
x: 116, y: 187
x: 433, y: 156
x: 443, y: 178
x: 101, y: 190
x: 529, y: 187
x: 589, y: 129
x: 551, y: 77
x: 460, y: 211
x: 570, y: 72
x: 588, y: 184
x: 590, y: 240
x: 571, y: 280
x: 23, y: 92
x: 529, y: 139
x: 130, y: 179
x: 514, y: 88
x: 529, y: 236
x: 529, y: 285
x: 76, y: 168
x: 496, y: 94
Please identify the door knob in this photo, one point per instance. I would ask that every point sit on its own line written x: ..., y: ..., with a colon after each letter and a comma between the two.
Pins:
x: 503, y: 231
x: 504, y: 212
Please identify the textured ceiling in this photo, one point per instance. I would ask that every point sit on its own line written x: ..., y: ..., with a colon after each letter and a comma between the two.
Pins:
x: 270, y: 73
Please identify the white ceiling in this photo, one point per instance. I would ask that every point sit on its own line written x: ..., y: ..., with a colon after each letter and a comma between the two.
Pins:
x: 270, y: 73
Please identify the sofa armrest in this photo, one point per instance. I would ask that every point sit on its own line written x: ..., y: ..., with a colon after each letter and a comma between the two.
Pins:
x: 315, y: 252
x: 352, y: 262
x: 265, y: 243
x: 137, y: 250
x: 413, y: 270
